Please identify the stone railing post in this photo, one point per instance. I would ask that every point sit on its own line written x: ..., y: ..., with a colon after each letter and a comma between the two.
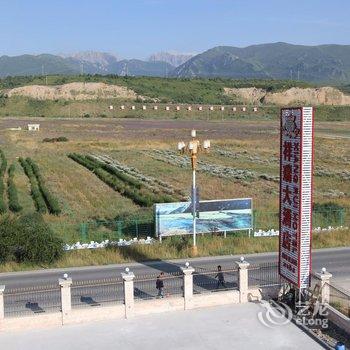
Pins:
x: 325, y: 277
x: 66, y: 299
x: 2, y: 306
x: 128, y: 278
x: 243, y: 280
x: 188, y: 285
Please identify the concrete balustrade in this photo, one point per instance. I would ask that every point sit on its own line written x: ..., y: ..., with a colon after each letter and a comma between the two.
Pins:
x: 188, y: 286
x: 325, y: 278
x: 2, y: 309
x: 66, y: 297
x: 128, y: 278
x: 243, y: 280
x: 128, y: 309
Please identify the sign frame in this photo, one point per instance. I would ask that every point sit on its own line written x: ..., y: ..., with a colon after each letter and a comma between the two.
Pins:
x: 303, y: 233
x: 157, y: 221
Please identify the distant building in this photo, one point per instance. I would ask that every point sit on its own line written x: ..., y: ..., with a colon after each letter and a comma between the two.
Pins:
x: 33, y: 127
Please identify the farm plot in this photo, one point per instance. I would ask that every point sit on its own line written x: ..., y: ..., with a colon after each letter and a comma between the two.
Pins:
x: 13, y: 202
x: 150, y: 182
x: 244, y: 175
x: 44, y: 200
x: 124, y: 183
x: 3, y: 167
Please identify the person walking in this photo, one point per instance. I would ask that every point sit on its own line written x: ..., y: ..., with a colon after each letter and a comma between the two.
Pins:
x: 220, y: 277
x: 160, y: 285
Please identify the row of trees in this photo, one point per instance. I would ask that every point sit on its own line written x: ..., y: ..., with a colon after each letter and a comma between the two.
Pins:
x: 14, y: 205
x: 44, y: 200
x: 3, y: 166
x: 124, y: 184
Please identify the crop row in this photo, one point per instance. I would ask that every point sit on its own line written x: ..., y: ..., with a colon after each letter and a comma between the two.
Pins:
x: 12, y: 190
x: 173, y: 158
x: 121, y: 183
x: 43, y: 198
x: 153, y: 184
x: 3, y: 166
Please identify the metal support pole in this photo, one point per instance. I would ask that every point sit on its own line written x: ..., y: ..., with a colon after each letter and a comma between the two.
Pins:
x: 194, y: 207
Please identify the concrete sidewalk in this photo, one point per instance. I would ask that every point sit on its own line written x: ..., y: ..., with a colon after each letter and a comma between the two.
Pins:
x: 226, y: 327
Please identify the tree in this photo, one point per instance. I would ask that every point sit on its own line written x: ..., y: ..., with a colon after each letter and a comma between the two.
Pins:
x: 28, y: 238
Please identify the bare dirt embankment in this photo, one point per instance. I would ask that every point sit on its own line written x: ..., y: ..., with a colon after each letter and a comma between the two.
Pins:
x: 312, y: 96
x: 75, y: 91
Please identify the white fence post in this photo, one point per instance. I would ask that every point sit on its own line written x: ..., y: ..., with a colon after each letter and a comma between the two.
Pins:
x: 2, y: 307
x: 188, y: 285
x: 66, y: 299
x: 128, y: 278
x: 324, y: 276
x: 243, y: 280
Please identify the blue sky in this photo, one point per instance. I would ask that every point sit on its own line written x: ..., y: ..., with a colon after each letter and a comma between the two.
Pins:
x: 137, y: 28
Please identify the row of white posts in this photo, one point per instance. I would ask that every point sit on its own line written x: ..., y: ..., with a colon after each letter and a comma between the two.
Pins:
x: 188, y: 108
x: 128, y: 279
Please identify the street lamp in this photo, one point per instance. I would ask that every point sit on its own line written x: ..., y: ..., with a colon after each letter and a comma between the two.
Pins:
x: 193, y: 148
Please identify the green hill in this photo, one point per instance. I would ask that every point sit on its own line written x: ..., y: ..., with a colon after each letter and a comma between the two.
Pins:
x: 321, y: 64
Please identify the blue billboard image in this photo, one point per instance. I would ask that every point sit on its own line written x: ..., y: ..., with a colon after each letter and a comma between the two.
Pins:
x: 212, y: 216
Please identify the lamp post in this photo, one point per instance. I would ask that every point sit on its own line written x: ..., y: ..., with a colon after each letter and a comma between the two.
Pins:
x: 193, y: 148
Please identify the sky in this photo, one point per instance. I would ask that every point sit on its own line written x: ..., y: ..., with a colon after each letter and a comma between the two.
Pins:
x: 138, y: 28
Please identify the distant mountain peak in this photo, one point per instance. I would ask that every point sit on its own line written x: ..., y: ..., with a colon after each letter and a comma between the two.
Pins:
x: 171, y: 57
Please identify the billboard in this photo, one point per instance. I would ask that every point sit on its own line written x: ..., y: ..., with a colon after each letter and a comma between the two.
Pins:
x: 296, y: 162
x: 212, y: 216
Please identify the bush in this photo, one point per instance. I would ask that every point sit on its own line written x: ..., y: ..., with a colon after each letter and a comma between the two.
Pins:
x: 28, y: 239
x: 12, y: 191
x: 55, y: 139
x: 50, y: 200
x: 35, y: 191
x: 3, y: 166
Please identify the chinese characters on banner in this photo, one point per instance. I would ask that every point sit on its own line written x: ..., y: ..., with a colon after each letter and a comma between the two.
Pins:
x: 296, y: 195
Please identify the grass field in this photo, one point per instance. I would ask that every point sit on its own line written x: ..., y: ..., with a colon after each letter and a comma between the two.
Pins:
x: 250, y: 145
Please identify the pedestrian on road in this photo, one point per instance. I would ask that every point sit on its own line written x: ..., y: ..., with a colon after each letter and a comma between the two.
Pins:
x: 220, y: 277
x: 160, y: 285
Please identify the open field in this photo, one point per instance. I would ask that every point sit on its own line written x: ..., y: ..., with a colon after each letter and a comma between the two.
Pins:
x: 248, y: 145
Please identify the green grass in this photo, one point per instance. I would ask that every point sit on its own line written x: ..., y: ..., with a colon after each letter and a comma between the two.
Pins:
x: 176, y: 248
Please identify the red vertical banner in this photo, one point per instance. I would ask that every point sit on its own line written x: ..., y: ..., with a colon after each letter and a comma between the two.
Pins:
x: 296, y: 158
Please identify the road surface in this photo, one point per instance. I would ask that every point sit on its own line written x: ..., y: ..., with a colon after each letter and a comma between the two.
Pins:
x: 336, y: 260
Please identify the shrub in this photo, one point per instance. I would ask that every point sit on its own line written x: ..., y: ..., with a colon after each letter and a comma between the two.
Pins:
x: 12, y: 191
x: 3, y: 166
x: 50, y: 200
x: 35, y: 191
x: 56, y: 139
x: 28, y: 238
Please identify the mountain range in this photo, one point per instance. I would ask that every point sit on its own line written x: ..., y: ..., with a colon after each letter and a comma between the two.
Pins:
x: 319, y: 64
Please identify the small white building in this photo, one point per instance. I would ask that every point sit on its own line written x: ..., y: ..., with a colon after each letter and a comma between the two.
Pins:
x: 122, y: 107
x: 155, y: 108
x: 33, y: 127
x: 110, y: 107
x: 244, y: 109
x: 144, y: 107
x: 234, y: 109
x: 222, y: 108
x: 255, y: 109
x: 200, y: 108
x: 177, y: 108
x: 211, y: 108
x: 133, y: 108
x: 167, y: 108
x: 189, y: 108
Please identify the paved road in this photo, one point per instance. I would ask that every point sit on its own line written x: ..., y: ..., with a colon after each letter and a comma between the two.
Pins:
x: 336, y: 260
